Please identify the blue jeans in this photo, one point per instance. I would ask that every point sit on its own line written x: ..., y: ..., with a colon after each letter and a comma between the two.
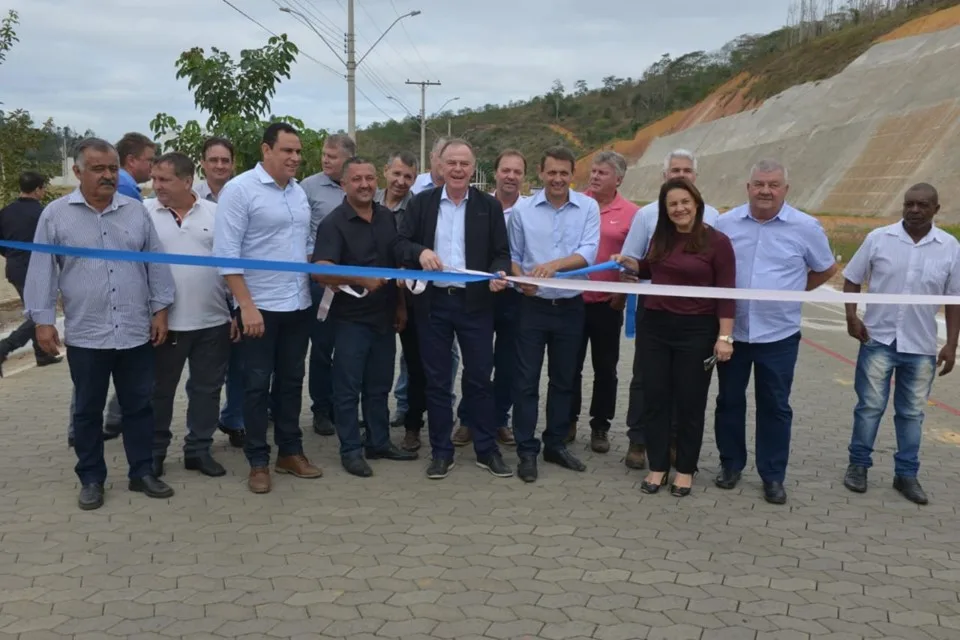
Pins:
x: 276, y: 358
x: 445, y: 319
x: 113, y: 416
x: 231, y: 413
x: 362, y: 373
x: 320, y: 383
x: 876, y: 364
x: 557, y: 328
x: 772, y: 364
x: 132, y: 371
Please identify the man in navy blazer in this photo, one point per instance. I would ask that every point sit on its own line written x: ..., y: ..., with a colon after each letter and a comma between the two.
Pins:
x: 448, y: 228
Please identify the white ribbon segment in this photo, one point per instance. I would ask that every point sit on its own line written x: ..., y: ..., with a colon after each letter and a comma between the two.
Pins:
x: 324, y: 307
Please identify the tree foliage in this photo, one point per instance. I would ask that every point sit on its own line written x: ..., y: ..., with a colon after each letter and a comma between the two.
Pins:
x: 235, y: 96
x: 8, y: 33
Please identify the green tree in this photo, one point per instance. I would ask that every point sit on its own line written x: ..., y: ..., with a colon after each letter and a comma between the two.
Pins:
x: 20, y: 143
x: 236, y: 96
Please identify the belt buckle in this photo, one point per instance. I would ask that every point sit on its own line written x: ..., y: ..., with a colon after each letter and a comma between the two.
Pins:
x: 555, y: 302
x: 451, y: 290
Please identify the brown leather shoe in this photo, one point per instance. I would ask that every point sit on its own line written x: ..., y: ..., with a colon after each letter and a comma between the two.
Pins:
x: 636, y: 457
x: 572, y: 432
x: 462, y: 436
x: 599, y: 441
x: 259, y: 480
x: 505, y: 436
x: 411, y: 440
x: 298, y: 466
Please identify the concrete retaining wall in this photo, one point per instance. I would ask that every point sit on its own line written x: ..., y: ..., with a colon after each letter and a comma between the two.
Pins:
x: 852, y: 143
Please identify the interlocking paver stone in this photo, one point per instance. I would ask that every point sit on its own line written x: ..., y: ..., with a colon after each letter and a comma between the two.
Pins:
x: 470, y: 558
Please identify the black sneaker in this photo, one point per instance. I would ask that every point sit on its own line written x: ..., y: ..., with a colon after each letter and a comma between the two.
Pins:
x: 527, y: 469
x: 439, y: 469
x: 493, y: 462
x: 856, y: 478
x: 91, y: 496
x: 236, y: 436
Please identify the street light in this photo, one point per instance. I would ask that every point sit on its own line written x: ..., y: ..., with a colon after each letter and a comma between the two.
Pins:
x: 449, y: 122
x: 351, y: 62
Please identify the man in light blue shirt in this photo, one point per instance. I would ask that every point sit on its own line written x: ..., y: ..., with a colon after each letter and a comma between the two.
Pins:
x: 433, y: 178
x: 777, y: 248
x: 263, y: 214
x: 679, y: 163
x: 325, y: 194
x: 555, y: 230
x: 136, y: 153
x: 900, y: 341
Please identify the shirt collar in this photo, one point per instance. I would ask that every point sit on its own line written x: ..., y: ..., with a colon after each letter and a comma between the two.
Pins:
x: 196, y: 203
x: 784, y: 214
x: 934, y: 235
x: 541, y: 197
x: 352, y: 213
x: 266, y: 178
x: 616, y: 203
x: 381, y: 199
x: 76, y: 197
x: 443, y: 195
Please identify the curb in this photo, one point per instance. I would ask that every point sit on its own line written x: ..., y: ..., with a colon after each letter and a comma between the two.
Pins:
x: 24, y: 350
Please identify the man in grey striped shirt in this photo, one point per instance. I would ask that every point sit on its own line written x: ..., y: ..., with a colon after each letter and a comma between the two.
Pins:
x: 115, y: 313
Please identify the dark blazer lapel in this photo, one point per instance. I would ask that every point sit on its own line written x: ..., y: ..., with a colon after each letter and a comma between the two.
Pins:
x: 430, y: 216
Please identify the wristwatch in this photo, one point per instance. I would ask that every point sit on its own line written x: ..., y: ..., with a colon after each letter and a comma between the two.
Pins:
x: 727, y: 339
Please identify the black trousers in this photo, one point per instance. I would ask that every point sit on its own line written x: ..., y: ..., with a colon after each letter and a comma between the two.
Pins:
x: 674, y: 348
x: 601, y: 330
x: 416, y: 378
x: 22, y: 334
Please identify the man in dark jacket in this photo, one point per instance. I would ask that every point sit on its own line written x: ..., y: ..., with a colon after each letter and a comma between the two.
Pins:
x: 18, y: 222
x: 458, y: 227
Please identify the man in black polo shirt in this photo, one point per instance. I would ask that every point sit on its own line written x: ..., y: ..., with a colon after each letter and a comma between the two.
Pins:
x: 18, y: 222
x: 361, y: 232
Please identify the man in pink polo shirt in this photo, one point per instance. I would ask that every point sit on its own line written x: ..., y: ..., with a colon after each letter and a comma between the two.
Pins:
x: 604, y: 311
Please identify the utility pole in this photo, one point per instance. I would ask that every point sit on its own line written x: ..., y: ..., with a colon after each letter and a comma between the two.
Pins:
x: 423, y: 117
x: 351, y: 42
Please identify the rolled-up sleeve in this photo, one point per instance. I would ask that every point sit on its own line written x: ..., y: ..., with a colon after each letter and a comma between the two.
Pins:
x: 590, y: 240
x: 40, y: 292
x: 232, y: 220
x: 159, y: 276
x: 819, y: 256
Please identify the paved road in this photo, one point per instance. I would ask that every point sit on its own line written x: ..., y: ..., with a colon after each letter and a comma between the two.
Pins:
x: 472, y: 557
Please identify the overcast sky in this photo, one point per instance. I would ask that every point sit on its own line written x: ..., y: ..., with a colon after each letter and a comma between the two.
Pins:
x: 108, y: 65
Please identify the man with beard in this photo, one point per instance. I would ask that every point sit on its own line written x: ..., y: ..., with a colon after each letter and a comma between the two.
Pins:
x: 361, y: 232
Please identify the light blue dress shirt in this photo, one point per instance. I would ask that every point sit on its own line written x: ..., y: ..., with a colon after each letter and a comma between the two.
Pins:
x: 894, y: 263
x: 256, y: 219
x: 451, y: 236
x: 540, y: 233
x: 777, y: 254
x: 645, y: 223
x: 127, y: 186
x: 423, y: 182
x: 324, y: 195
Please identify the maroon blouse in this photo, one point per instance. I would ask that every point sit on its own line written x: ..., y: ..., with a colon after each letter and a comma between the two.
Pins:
x: 715, y: 267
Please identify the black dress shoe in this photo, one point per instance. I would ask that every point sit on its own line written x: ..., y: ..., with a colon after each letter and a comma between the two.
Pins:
x: 206, y: 465
x: 727, y: 479
x: 111, y: 431
x: 564, y: 458
x: 45, y: 360
x: 527, y: 469
x: 322, y: 425
x: 236, y: 436
x: 151, y: 486
x: 439, y: 469
x: 651, y: 488
x: 493, y: 462
x: 158, y: 469
x: 91, y: 496
x: 391, y: 452
x: 856, y: 478
x: 356, y: 467
x: 910, y: 489
x: 71, y: 441
x: 774, y: 493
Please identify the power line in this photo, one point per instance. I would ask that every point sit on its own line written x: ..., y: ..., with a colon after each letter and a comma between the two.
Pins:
x: 323, y: 23
x: 412, y: 43
x: 260, y: 24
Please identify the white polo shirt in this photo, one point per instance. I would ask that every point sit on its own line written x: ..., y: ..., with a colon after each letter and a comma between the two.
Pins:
x: 200, y: 301
x: 894, y: 263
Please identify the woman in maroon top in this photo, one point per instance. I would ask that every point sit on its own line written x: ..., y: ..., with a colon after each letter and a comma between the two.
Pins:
x: 680, y: 336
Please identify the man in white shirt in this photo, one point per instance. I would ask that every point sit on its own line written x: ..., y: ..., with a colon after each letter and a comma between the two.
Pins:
x: 900, y: 341
x: 198, y: 321
x: 679, y: 163
x: 433, y: 178
x: 264, y: 214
